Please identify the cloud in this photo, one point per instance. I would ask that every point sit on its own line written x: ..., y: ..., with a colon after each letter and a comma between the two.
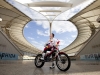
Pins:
x: 31, y: 38
x: 46, y: 33
x: 73, y: 36
x: 38, y: 37
x: 39, y: 45
x: 70, y: 41
x: 63, y: 26
x: 63, y: 44
x: 27, y: 26
x: 45, y: 24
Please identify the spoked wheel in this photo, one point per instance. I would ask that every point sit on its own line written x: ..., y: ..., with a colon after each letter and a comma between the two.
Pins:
x: 63, y: 62
x: 38, y: 62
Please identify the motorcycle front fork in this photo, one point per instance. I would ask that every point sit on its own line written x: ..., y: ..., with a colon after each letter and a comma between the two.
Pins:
x: 58, y: 55
x: 59, y: 58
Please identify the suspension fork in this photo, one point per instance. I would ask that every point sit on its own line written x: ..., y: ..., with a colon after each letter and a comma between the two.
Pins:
x: 58, y: 55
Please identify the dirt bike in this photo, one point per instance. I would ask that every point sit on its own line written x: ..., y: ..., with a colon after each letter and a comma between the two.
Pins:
x: 62, y: 59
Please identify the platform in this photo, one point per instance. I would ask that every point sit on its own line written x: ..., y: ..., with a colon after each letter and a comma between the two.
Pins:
x: 27, y: 67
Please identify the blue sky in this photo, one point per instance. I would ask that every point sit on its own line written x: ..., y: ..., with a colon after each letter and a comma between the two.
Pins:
x: 37, y: 32
x: 37, y: 35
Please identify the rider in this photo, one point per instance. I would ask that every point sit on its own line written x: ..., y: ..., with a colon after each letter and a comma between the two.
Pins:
x: 50, y: 45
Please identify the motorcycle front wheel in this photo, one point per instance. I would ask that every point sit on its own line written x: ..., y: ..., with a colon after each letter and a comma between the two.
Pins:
x: 38, y: 62
x: 63, y: 62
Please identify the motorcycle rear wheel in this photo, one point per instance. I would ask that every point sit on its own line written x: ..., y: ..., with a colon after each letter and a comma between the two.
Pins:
x: 38, y: 62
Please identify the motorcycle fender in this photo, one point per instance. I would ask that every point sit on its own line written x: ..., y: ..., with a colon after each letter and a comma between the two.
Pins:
x: 60, y: 53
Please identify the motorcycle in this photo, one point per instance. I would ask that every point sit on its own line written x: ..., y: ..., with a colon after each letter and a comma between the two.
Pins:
x: 62, y: 59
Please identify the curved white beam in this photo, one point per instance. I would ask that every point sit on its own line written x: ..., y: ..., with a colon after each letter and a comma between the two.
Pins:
x: 49, y: 4
x: 50, y: 11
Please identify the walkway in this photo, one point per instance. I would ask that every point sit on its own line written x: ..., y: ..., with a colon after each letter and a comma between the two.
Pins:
x: 27, y: 67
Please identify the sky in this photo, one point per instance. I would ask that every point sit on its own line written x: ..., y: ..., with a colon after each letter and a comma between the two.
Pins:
x: 37, y: 32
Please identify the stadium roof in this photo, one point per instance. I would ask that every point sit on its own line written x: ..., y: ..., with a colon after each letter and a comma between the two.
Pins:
x: 15, y: 20
x: 52, y: 8
x: 87, y: 25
